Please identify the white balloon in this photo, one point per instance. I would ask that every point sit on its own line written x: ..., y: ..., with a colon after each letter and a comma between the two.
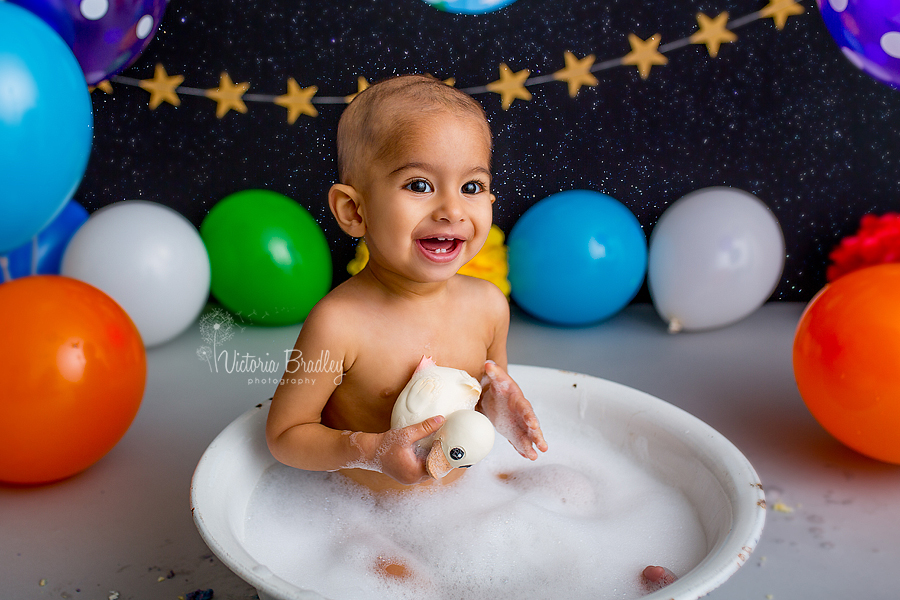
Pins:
x: 149, y: 259
x: 715, y: 256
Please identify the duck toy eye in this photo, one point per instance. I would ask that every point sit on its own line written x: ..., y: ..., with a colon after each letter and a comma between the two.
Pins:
x: 465, y: 438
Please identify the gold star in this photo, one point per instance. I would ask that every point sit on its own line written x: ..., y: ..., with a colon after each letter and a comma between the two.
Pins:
x: 577, y: 72
x: 644, y: 54
x: 228, y: 96
x: 780, y: 10
x: 298, y: 101
x: 104, y: 85
x: 510, y: 86
x: 162, y: 87
x: 713, y: 32
x: 361, y: 85
x: 451, y: 81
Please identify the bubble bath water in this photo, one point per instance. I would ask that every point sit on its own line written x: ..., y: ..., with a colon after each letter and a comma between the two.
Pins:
x: 580, y: 522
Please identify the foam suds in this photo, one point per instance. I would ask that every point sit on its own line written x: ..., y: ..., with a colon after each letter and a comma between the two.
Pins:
x: 581, y: 522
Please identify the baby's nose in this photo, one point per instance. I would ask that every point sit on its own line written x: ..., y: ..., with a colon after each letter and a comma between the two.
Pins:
x: 450, y: 209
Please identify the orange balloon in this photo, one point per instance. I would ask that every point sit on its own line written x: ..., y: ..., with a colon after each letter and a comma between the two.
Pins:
x: 847, y: 360
x: 72, y: 375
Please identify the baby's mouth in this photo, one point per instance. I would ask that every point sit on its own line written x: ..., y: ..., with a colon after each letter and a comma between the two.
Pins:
x: 439, y: 245
x: 440, y: 249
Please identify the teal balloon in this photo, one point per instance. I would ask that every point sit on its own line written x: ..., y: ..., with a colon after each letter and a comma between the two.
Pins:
x: 269, y: 259
x: 576, y: 257
x: 46, y: 125
x: 469, y: 6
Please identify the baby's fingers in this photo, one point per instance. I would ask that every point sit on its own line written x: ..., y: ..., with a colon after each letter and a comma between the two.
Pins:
x: 424, y: 429
x: 522, y: 442
x: 533, y: 433
x: 537, y: 438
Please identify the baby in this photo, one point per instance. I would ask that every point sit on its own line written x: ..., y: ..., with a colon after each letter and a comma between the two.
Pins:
x: 414, y: 159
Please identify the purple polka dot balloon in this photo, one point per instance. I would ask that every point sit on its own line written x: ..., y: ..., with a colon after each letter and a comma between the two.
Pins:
x: 868, y: 32
x: 105, y: 35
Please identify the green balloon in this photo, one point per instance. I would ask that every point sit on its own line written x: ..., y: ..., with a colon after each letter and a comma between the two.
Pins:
x: 270, y: 260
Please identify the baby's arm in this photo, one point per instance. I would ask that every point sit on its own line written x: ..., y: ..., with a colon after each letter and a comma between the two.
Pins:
x: 502, y: 401
x: 294, y: 430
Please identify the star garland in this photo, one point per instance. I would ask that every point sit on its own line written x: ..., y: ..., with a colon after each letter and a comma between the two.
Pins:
x: 511, y: 85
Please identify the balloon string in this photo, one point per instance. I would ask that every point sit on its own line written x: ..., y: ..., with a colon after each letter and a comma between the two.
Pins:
x: 34, y: 255
x: 4, y: 267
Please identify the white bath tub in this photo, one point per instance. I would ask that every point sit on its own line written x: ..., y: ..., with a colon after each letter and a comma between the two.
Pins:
x: 676, y: 447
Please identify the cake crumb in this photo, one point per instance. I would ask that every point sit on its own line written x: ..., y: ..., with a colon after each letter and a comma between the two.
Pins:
x: 42, y: 582
x: 782, y: 507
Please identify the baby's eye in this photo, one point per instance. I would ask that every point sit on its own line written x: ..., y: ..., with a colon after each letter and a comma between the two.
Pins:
x: 419, y: 186
x: 472, y: 187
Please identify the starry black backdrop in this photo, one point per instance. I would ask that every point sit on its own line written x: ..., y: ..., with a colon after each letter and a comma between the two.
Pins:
x: 780, y: 114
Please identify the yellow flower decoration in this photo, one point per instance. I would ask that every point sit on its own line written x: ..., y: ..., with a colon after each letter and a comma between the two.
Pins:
x: 490, y: 263
x: 362, y: 257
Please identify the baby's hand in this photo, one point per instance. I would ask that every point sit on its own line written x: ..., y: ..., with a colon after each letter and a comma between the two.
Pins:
x: 505, y: 405
x: 398, y: 456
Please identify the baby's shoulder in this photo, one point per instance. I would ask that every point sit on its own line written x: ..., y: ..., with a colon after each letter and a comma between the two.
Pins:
x: 338, y: 310
x: 345, y: 297
x: 481, y: 294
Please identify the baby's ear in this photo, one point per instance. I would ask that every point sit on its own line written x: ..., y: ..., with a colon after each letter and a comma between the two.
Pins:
x: 344, y: 202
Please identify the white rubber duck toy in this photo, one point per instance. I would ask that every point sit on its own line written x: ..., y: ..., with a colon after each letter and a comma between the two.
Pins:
x: 466, y: 436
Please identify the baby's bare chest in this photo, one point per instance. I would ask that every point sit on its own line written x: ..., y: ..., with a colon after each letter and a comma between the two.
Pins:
x: 388, y: 354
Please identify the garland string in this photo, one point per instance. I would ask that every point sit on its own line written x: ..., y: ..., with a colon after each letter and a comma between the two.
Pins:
x: 511, y: 86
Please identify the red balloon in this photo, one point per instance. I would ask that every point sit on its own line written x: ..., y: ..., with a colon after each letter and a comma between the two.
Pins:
x: 72, y: 375
x: 847, y: 360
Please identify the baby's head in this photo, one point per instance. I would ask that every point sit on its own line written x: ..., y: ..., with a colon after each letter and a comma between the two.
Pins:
x: 414, y: 160
x: 380, y: 119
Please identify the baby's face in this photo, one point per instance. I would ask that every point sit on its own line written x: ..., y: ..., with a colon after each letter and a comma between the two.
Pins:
x: 427, y: 204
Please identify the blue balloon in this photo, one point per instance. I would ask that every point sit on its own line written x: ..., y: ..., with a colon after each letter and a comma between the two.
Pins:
x: 44, y: 256
x: 472, y: 7
x: 46, y: 125
x: 576, y: 257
